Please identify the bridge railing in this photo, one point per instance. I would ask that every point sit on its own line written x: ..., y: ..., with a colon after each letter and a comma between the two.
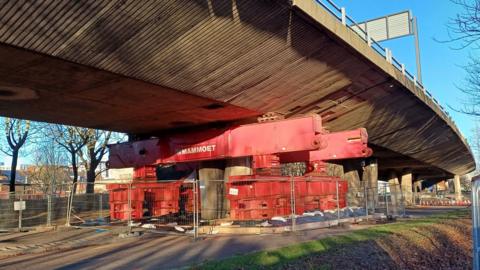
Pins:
x: 342, y: 16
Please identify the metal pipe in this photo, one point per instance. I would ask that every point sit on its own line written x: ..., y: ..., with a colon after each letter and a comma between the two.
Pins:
x: 292, y: 202
x: 385, y: 195
x: 366, y: 200
x: 129, y: 198
x: 417, y: 49
x: 476, y: 224
x: 49, y: 210
x: 20, y: 215
x: 338, y: 202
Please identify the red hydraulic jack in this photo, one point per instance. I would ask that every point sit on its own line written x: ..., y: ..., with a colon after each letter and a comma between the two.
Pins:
x: 268, y: 145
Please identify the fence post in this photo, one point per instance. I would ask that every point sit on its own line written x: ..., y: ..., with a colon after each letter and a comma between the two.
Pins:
x: 129, y: 198
x: 195, y: 209
x: 69, y: 203
x: 369, y: 39
x: 365, y: 192
x: 67, y: 221
x: 385, y: 195
x: 20, y: 215
x: 292, y: 202
x: 100, y: 205
x: 403, y: 200
x: 338, y: 201
x: 49, y: 209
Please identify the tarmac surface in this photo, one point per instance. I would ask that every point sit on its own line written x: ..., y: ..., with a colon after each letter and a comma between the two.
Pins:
x: 104, y: 250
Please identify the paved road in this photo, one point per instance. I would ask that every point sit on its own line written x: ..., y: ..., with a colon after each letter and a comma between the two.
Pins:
x: 432, y: 210
x: 155, y: 251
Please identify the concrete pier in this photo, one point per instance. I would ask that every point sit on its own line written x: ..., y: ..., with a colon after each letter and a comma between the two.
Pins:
x: 370, y: 179
x: 417, y: 188
x: 235, y: 166
x: 457, y: 187
x: 406, y: 185
x: 351, y: 170
x: 395, y: 193
x: 212, y: 190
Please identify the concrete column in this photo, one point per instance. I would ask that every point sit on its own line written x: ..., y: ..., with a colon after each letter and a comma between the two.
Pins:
x: 335, y: 170
x: 395, y: 192
x: 351, y: 174
x: 441, y: 186
x: 457, y: 187
x: 212, y: 189
x: 370, y: 179
x: 236, y: 166
x: 417, y: 189
x: 407, y: 179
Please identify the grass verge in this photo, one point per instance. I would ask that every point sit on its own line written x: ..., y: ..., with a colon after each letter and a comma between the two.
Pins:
x: 278, y: 257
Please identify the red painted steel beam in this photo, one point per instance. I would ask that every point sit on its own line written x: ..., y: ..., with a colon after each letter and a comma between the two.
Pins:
x: 299, y: 136
x: 335, y: 146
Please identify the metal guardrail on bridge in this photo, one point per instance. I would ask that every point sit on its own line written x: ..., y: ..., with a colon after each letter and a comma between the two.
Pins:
x: 342, y: 16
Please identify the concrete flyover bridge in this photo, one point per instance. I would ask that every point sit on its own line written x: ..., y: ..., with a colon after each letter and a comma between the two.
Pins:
x: 145, y: 66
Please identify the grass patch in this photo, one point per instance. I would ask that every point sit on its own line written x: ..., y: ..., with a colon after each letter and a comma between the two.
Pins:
x: 278, y: 257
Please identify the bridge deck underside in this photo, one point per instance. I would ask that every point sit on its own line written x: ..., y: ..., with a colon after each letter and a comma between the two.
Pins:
x: 143, y: 66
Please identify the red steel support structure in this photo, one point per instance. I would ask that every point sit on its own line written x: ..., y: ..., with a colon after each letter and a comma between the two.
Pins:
x: 268, y: 145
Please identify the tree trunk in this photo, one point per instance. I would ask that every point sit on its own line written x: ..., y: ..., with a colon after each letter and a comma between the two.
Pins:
x: 90, y: 179
x: 13, y: 170
x: 75, y: 171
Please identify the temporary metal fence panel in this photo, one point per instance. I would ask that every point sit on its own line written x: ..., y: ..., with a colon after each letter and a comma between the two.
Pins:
x: 83, y: 207
x: 51, y: 205
x: 196, y: 207
x: 273, y: 204
x: 390, y: 199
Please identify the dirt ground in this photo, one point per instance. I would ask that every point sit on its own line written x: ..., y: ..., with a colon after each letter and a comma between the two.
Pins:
x: 445, y: 245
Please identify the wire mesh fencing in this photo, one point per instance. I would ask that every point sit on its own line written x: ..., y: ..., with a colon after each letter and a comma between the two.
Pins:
x: 160, y: 205
x: 390, y: 199
x: 243, y: 204
x: 87, y: 204
x: 276, y: 204
x: 49, y: 205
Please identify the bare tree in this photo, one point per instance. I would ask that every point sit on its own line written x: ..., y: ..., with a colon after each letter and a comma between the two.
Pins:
x: 72, y: 140
x: 93, y: 153
x: 464, y: 30
x: 16, y: 134
x: 50, y: 173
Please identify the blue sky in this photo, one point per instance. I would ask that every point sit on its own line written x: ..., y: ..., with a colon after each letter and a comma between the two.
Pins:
x: 442, y: 68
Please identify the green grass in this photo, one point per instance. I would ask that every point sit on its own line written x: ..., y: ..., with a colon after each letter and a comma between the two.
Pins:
x: 277, y: 257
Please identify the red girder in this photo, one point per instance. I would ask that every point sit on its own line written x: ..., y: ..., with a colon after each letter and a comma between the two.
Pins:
x: 297, y: 139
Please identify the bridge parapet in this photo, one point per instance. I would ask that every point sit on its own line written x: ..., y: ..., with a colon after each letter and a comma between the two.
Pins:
x: 408, y: 79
